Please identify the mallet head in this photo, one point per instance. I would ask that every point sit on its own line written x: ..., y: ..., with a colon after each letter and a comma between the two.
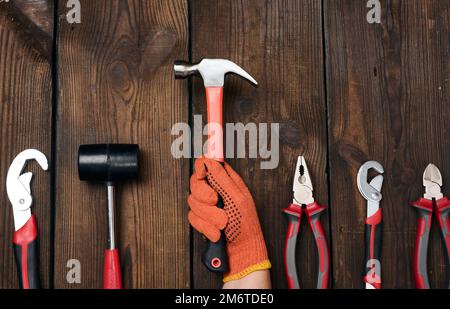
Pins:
x: 212, y: 71
x: 108, y: 163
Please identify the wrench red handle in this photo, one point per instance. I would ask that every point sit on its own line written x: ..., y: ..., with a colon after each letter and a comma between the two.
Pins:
x: 425, y: 212
x: 26, y: 253
x: 372, y: 273
x: 443, y: 216
x: 294, y: 214
x: 314, y: 212
x: 112, y: 275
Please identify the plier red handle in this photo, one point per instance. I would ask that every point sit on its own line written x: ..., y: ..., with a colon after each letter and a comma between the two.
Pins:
x: 304, y: 203
x: 432, y: 202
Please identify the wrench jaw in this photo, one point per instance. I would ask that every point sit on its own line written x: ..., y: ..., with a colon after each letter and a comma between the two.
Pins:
x: 18, y: 185
x: 366, y: 189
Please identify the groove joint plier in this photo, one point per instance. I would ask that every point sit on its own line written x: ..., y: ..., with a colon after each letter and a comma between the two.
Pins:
x: 25, y: 235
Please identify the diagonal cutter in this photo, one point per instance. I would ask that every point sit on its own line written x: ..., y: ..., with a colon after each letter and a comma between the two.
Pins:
x: 433, y: 201
x: 303, y: 202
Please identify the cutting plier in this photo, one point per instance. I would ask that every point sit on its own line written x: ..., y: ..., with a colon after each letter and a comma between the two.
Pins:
x: 303, y: 202
x: 432, y: 201
x: 25, y: 235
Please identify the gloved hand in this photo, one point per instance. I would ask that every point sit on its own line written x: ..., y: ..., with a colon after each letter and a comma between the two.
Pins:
x: 246, y: 247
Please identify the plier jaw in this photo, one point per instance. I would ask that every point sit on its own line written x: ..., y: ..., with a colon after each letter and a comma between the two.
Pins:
x: 302, y: 187
x: 432, y: 181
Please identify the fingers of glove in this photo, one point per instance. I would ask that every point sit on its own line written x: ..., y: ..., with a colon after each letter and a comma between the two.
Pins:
x: 218, y: 177
x: 203, y: 227
x: 208, y: 213
x: 236, y: 179
x: 200, y: 168
x: 203, y: 192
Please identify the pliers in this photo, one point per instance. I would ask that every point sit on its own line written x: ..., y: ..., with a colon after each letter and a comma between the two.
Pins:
x: 303, y: 202
x: 25, y: 235
x: 432, y: 201
x: 371, y: 191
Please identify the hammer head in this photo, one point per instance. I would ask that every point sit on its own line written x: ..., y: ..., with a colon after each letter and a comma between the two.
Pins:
x: 108, y: 163
x: 212, y: 71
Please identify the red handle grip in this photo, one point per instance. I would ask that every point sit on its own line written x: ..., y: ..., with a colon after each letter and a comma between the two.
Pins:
x: 373, y: 250
x: 443, y: 216
x: 25, y: 250
x: 314, y: 210
x: 425, y: 211
x: 112, y: 276
x: 294, y: 214
x: 214, y: 101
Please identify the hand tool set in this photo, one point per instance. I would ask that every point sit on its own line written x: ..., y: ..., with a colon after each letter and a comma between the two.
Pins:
x: 213, y: 72
x: 303, y: 202
x: 109, y: 164
x: 372, y: 193
x: 18, y: 187
x: 433, y: 201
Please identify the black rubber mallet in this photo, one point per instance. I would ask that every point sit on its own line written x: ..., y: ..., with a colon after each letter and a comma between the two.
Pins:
x: 109, y: 164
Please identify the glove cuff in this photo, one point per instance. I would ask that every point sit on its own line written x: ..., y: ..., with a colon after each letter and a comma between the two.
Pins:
x: 247, y: 258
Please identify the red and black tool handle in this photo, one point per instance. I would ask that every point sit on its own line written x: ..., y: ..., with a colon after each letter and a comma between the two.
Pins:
x: 26, y: 253
x: 112, y: 274
x: 215, y: 255
x: 425, y: 212
x: 314, y: 212
x: 373, y: 227
x: 294, y: 215
x: 443, y: 216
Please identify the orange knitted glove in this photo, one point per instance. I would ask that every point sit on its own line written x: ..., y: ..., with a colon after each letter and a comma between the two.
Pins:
x: 246, y: 248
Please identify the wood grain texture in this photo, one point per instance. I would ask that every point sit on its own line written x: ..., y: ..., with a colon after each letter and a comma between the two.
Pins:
x: 280, y: 44
x: 34, y: 20
x: 25, y: 122
x: 388, y: 87
x: 116, y: 85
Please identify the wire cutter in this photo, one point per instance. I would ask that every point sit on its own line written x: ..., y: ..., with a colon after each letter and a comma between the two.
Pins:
x: 372, y: 193
x: 25, y: 235
x: 432, y: 201
x: 303, y: 202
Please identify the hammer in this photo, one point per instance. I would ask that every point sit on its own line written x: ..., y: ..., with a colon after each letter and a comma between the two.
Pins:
x: 109, y: 164
x: 213, y: 72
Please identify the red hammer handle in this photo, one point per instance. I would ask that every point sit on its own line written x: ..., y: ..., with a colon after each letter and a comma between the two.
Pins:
x: 215, y: 257
x: 214, y: 101
x: 112, y: 276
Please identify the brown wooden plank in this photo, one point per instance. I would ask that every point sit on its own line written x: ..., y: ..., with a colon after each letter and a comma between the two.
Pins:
x: 116, y: 85
x: 388, y: 89
x: 280, y: 44
x: 25, y: 118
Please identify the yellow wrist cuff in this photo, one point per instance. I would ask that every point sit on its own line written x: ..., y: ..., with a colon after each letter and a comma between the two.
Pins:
x: 260, y: 266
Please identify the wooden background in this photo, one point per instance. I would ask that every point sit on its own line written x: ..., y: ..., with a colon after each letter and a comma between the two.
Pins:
x: 344, y: 91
